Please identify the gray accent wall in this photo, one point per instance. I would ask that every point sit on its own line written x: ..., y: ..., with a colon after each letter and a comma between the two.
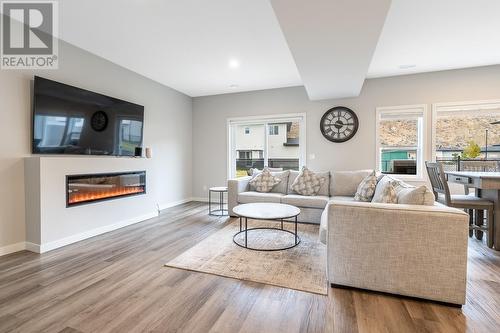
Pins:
x: 210, y: 116
x: 167, y: 129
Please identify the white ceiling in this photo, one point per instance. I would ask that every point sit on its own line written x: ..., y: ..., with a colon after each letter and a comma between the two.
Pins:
x: 437, y: 35
x: 188, y: 44
x: 185, y: 44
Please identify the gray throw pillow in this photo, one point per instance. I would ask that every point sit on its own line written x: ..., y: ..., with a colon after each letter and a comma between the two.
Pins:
x: 366, y: 189
x: 264, y: 181
x: 307, y: 182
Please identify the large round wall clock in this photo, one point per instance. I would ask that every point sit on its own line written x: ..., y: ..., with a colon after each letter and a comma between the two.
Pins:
x: 99, y: 121
x: 339, y: 124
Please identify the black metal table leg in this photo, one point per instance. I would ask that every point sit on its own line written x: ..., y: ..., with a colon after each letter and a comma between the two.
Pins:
x: 240, y: 223
x: 295, y: 230
x: 281, y: 224
x: 246, y: 232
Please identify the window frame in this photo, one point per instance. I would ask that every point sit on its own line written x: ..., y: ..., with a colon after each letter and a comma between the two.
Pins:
x: 265, y: 120
x: 423, y: 137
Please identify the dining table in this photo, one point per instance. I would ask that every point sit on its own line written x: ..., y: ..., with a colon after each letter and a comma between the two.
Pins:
x: 486, y: 185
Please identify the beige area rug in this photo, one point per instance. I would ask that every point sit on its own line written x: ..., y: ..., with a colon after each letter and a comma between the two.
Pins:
x: 301, y: 268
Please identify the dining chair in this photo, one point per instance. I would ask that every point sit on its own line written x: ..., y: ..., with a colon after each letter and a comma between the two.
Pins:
x: 470, y: 203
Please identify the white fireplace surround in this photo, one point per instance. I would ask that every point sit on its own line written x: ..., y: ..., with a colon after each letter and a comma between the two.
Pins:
x: 50, y: 224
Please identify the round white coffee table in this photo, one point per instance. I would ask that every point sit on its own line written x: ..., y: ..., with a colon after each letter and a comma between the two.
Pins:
x: 266, y: 211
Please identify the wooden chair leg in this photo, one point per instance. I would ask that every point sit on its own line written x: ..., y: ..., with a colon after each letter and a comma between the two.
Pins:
x: 489, y: 240
x: 471, y: 221
x: 479, y: 222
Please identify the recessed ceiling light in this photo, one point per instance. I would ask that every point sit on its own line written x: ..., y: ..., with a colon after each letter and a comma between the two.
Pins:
x: 233, y: 86
x: 407, y: 66
x: 233, y: 63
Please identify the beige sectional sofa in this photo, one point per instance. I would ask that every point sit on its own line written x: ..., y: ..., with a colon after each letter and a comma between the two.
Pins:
x: 412, y: 250
x: 311, y: 207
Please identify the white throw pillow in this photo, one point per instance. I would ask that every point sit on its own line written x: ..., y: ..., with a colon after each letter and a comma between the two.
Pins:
x: 385, y: 192
x: 411, y: 195
x: 366, y: 189
x: 264, y: 181
x: 307, y: 182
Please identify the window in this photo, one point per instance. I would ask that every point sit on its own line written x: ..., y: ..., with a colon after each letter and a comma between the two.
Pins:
x: 274, y: 129
x: 400, y: 142
x: 466, y: 136
x: 276, y: 142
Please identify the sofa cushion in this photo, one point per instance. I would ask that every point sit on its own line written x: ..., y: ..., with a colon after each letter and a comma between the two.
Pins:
x: 366, y: 188
x: 315, y: 201
x: 324, y: 188
x: 346, y: 183
x: 252, y: 196
x: 281, y: 187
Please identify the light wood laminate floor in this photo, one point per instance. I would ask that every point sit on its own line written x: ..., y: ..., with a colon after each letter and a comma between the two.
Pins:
x: 116, y: 282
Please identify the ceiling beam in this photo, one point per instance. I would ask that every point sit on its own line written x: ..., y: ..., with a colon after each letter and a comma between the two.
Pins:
x: 332, y: 42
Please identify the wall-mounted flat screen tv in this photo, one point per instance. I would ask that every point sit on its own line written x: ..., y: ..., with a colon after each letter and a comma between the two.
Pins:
x: 70, y: 120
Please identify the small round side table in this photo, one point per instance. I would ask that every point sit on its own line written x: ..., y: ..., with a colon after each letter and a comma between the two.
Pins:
x: 220, y: 211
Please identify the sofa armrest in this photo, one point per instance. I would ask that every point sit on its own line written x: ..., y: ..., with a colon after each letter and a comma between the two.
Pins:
x: 234, y: 187
x: 418, y: 251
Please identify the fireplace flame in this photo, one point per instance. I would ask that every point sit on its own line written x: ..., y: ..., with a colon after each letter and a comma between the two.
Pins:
x: 96, y: 194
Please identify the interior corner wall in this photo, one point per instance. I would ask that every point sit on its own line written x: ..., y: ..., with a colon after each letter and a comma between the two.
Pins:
x: 210, y: 117
x: 167, y: 129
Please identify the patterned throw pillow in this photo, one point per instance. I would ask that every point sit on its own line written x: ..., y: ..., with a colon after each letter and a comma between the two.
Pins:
x: 385, y: 192
x: 307, y: 182
x: 366, y: 188
x: 264, y: 181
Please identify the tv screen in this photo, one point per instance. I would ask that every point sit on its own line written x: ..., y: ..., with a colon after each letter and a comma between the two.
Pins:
x: 70, y: 120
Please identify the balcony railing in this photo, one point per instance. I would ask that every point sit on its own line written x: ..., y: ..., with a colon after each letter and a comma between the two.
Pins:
x: 462, y: 164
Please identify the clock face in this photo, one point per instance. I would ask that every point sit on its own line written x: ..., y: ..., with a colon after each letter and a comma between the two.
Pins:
x: 339, y: 124
x: 99, y: 121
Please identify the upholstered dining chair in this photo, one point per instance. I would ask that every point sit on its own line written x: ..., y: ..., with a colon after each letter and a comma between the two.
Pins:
x: 470, y: 203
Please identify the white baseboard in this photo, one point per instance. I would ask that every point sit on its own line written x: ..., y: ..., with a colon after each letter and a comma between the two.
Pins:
x: 32, y: 247
x: 4, y: 250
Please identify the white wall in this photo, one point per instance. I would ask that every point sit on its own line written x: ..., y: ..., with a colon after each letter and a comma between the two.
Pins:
x: 210, y: 114
x: 167, y: 129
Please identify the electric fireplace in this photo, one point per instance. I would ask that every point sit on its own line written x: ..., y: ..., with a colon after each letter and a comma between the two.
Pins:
x: 89, y: 188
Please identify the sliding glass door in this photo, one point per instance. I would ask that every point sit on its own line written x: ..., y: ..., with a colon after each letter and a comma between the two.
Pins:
x: 267, y: 142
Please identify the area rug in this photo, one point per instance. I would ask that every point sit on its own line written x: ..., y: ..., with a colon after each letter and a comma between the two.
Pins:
x: 301, y: 268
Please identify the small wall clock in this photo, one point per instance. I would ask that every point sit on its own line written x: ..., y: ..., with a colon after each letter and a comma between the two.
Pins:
x: 339, y: 124
x: 99, y: 121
